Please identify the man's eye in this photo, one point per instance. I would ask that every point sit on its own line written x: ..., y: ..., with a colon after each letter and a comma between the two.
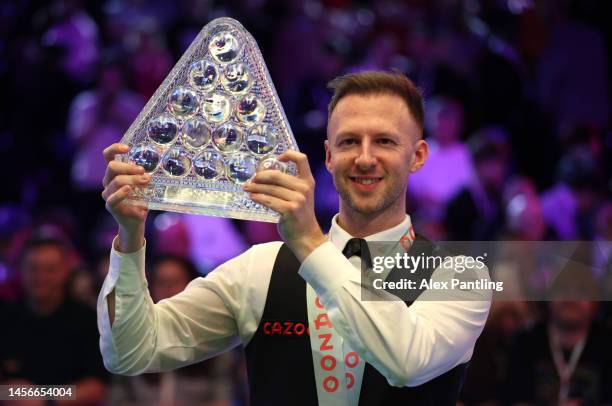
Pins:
x: 386, y: 141
x: 347, y: 141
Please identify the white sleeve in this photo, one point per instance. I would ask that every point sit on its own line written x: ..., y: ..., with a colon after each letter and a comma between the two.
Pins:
x: 409, y: 345
x: 196, y: 324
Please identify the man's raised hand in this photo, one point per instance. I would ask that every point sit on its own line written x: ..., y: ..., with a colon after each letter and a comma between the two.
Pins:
x: 119, y: 181
x: 293, y: 198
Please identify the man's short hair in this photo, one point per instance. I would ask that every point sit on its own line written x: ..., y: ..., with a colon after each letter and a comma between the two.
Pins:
x: 374, y: 83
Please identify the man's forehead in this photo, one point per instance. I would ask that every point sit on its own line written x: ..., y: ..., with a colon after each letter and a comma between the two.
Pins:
x: 387, y: 112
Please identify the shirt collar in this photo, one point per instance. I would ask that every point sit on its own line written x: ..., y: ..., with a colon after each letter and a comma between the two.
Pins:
x: 339, y: 237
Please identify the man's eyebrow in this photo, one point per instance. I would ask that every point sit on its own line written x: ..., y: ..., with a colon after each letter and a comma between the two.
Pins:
x: 346, y: 134
x: 384, y: 134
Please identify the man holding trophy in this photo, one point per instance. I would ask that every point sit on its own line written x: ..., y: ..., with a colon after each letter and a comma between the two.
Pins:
x: 296, y: 305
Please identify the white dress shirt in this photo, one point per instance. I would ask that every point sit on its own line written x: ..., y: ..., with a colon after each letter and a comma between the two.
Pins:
x: 408, y: 345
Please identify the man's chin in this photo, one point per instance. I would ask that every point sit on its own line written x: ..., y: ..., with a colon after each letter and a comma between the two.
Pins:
x: 367, y: 204
x: 365, y: 207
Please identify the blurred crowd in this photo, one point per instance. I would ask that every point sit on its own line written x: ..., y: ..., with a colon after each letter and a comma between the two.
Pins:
x: 518, y: 103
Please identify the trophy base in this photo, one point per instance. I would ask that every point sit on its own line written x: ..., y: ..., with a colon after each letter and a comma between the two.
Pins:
x: 218, y: 203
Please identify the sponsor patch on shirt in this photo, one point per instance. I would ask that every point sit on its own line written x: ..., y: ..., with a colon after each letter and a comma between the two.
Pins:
x: 285, y: 328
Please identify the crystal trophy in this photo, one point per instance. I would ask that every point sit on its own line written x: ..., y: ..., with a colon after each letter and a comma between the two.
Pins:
x: 212, y: 124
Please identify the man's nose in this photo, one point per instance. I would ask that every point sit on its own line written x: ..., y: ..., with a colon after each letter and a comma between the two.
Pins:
x: 366, y: 159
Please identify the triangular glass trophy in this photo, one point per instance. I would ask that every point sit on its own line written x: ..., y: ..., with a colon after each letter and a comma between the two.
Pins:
x: 214, y: 121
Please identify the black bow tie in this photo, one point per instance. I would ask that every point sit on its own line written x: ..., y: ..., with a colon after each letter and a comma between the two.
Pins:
x: 358, y: 247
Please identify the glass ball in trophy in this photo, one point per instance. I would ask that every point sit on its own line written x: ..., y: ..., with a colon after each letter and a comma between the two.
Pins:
x: 183, y: 102
x: 176, y: 161
x: 209, y: 165
x: 241, y: 167
x: 196, y: 133
x: 272, y: 163
x: 145, y: 155
x: 203, y: 75
x: 163, y: 129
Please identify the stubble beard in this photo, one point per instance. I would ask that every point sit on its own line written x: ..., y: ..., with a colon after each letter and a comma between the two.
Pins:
x: 382, y: 201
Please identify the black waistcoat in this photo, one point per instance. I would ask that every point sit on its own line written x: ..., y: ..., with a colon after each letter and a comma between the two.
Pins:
x: 280, y: 366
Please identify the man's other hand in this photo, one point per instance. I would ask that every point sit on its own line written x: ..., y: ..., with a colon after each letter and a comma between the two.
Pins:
x: 293, y: 198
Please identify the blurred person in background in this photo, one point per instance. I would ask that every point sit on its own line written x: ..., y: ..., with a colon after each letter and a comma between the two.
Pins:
x: 449, y: 167
x: 207, y: 383
x: 95, y: 118
x: 49, y: 339
x: 524, y: 220
x: 569, y: 206
x: 476, y: 211
x: 488, y: 371
x: 564, y: 359
x: 75, y: 33
x: 522, y: 265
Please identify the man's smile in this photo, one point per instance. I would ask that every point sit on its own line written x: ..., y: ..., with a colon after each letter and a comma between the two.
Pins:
x: 365, y: 183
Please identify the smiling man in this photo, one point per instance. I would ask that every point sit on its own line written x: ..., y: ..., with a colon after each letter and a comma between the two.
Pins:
x: 353, y: 351
x: 374, y: 143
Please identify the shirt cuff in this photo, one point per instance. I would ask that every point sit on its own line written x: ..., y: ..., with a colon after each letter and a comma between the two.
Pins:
x: 326, y: 270
x: 126, y: 271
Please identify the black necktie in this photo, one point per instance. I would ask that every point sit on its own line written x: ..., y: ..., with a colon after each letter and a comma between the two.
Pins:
x: 358, y: 247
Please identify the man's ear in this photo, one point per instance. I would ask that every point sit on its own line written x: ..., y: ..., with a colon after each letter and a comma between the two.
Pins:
x: 421, y: 152
x: 327, y: 156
